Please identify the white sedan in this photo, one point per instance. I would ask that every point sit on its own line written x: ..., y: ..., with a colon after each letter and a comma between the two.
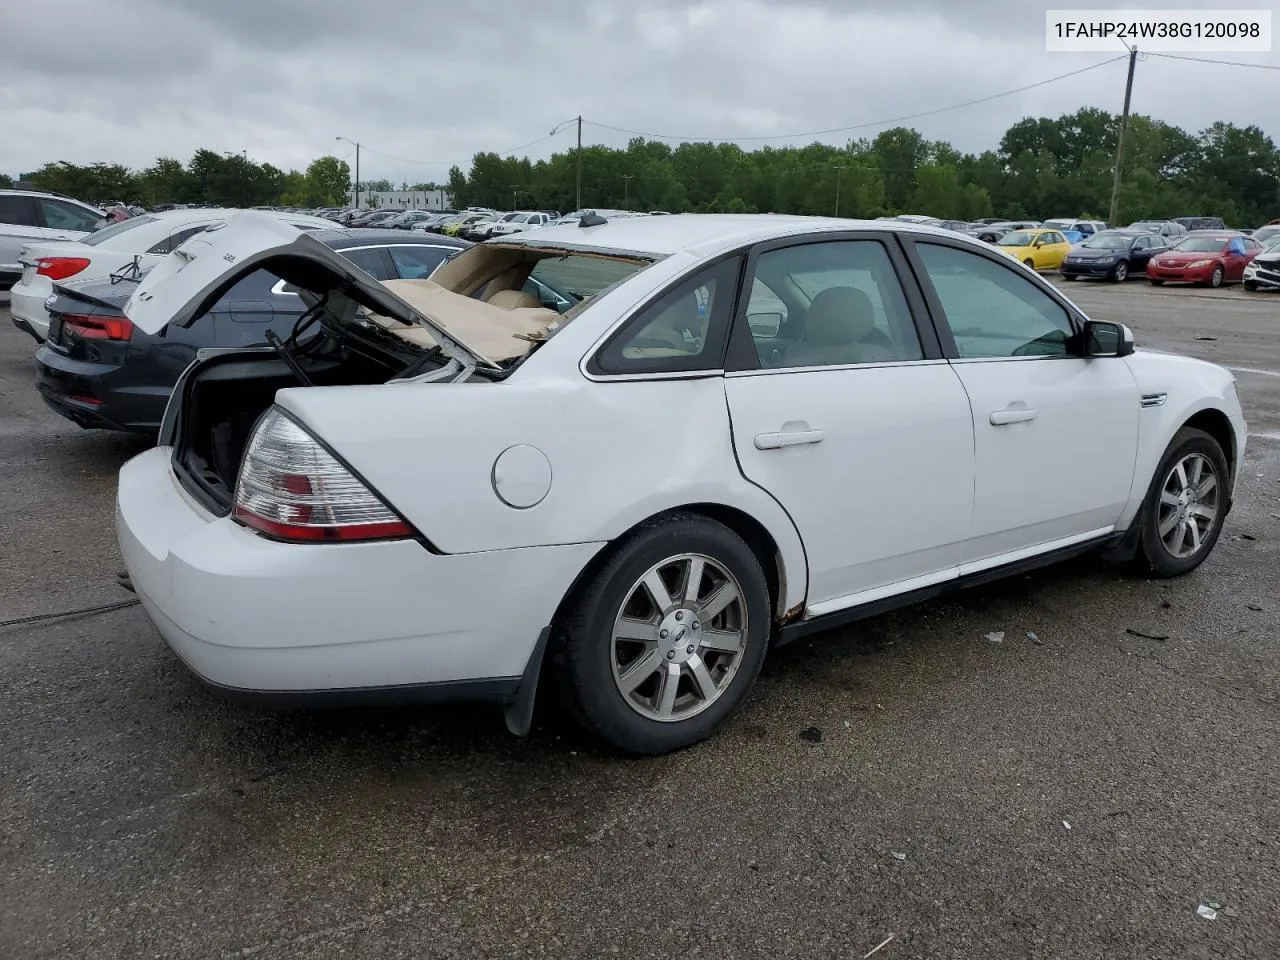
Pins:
x: 145, y: 239
x: 746, y: 428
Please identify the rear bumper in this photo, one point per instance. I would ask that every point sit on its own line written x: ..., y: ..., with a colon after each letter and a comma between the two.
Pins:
x: 26, y: 328
x: 88, y: 394
x: 26, y: 302
x: 276, y: 622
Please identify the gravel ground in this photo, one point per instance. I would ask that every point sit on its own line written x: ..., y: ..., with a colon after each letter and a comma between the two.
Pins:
x: 1073, y: 798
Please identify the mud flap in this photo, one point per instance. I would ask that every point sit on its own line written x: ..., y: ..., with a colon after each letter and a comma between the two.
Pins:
x: 519, y: 715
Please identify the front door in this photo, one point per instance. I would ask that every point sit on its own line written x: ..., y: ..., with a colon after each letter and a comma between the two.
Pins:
x: 1055, y: 434
x: 846, y: 414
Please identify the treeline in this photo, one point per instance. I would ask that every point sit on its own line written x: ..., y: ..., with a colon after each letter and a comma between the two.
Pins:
x: 222, y: 179
x: 1043, y: 167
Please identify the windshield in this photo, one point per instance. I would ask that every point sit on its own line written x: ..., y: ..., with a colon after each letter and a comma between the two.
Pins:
x: 1108, y: 241
x: 1266, y: 234
x: 1272, y: 244
x: 1019, y: 238
x: 1200, y: 245
x: 124, y: 226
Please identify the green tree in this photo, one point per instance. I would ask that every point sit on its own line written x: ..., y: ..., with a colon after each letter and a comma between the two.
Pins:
x: 329, y: 181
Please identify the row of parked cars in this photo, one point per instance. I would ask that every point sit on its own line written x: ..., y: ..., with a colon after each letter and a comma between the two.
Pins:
x: 1195, y: 250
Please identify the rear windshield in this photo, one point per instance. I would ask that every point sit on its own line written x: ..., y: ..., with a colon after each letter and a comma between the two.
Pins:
x: 124, y: 226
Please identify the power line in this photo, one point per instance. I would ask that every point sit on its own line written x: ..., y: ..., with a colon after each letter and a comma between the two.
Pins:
x: 1229, y: 63
x: 862, y: 126
x: 443, y: 163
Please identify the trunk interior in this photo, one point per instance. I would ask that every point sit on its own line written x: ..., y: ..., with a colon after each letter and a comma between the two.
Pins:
x: 222, y: 401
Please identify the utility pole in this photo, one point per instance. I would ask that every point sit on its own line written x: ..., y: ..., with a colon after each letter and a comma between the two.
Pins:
x: 1112, y: 218
x: 626, y: 190
x: 357, y: 146
x: 580, y: 161
x: 839, y: 170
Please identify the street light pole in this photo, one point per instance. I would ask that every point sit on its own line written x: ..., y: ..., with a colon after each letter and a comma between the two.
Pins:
x: 357, y: 146
x: 839, y: 170
x: 626, y: 190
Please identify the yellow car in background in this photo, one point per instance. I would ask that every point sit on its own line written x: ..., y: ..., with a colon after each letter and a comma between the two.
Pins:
x: 1038, y: 249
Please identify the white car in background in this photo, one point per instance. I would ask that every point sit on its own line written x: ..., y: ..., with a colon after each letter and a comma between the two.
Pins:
x: 146, y: 239
x: 748, y: 428
x: 31, y: 215
x: 518, y: 222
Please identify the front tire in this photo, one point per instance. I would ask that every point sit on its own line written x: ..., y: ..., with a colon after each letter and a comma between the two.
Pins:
x: 660, y: 647
x: 1155, y: 283
x: 1251, y: 286
x: 1121, y: 273
x: 1215, y: 278
x: 1186, y: 504
x: 1029, y: 263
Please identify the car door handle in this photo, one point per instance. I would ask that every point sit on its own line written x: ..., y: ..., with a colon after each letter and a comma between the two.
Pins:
x: 999, y: 418
x: 793, y: 438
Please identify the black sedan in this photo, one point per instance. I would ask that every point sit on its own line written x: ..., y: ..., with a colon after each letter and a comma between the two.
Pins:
x: 97, y: 370
x: 1113, y: 255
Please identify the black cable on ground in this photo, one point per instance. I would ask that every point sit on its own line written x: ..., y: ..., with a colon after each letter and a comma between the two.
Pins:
x: 82, y: 612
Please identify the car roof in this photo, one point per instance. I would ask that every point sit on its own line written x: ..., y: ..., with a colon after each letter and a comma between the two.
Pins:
x: 700, y: 234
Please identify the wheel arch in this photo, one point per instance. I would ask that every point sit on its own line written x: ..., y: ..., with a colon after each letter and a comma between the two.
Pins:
x: 1218, y: 425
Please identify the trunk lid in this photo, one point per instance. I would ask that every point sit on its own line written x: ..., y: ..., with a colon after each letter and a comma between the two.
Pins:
x: 187, y: 282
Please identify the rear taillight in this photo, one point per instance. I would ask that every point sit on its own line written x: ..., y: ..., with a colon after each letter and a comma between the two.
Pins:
x: 59, y: 268
x: 97, y: 328
x: 291, y: 488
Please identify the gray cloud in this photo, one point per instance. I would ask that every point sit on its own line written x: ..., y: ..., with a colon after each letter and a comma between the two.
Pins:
x: 134, y: 79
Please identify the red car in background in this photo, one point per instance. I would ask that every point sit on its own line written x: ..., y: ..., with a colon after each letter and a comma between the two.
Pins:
x: 1207, y: 257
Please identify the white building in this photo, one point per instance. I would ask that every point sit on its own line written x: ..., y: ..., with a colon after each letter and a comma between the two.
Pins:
x: 405, y: 199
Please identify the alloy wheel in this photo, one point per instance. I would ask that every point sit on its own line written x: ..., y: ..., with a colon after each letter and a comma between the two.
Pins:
x: 1122, y: 272
x: 678, y: 639
x: 1190, y: 500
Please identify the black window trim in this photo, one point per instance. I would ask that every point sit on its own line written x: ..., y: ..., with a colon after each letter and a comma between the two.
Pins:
x: 34, y: 213
x: 742, y: 356
x: 715, y: 366
x: 938, y: 314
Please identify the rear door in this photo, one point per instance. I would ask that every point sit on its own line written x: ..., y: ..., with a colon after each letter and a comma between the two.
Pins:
x: 19, y: 225
x: 1055, y: 434
x: 843, y: 409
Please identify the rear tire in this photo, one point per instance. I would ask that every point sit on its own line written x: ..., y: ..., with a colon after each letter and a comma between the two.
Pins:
x: 1186, y: 504
x: 649, y: 662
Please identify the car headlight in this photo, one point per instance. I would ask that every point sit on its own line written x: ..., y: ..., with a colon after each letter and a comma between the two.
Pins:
x: 1199, y: 263
x: 1250, y: 268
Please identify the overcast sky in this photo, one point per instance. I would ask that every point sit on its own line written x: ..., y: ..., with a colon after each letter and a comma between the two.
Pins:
x: 128, y: 80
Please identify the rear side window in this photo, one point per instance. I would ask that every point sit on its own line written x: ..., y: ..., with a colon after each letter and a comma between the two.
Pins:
x: 417, y: 263
x: 18, y: 210
x: 176, y: 239
x: 683, y: 331
x: 372, y: 261
x: 59, y: 215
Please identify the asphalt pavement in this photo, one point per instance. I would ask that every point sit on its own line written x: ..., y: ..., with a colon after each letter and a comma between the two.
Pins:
x: 1076, y: 797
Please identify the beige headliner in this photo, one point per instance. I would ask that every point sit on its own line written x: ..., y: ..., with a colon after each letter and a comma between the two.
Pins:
x: 497, y: 333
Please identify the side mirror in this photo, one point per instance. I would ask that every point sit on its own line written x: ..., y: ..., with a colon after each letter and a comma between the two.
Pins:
x: 764, y: 326
x: 1105, y: 339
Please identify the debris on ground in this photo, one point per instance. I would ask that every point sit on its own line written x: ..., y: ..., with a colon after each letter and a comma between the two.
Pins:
x: 1206, y: 338
x: 896, y: 855
x: 1244, y: 536
x: 879, y: 946
x: 1254, y: 607
x: 846, y: 724
x: 1065, y: 824
x: 1031, y: 635
x: 1231, y: 912
x: 811, y: 734
x: 1207, y: 912
x: 996, y: 636
x: 1166, y: 605
x: 1146, y: 636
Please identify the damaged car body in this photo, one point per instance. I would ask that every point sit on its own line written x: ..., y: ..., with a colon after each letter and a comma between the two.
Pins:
x: 453, y: 488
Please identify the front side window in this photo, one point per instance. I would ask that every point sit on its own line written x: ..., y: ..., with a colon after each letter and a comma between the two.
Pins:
x: 59, y: 215
x: 684, y: 330
x: 854, y: 310
x: 993, y: 310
